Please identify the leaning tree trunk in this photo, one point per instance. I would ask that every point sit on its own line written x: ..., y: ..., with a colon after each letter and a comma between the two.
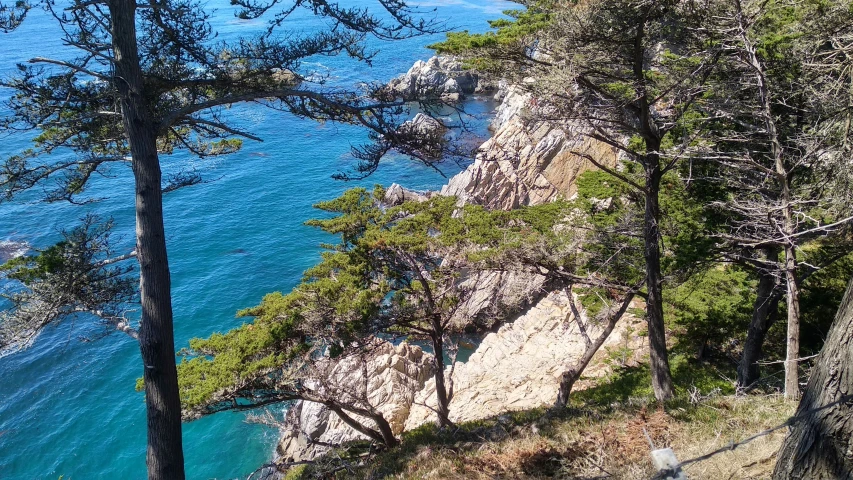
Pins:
x: 570, y: 376
x: 165, y: 458
x: 441, y: 394
x: 763, y: 316
x: 383, y: 435
x: 820, y: 445
x: 658, y: 355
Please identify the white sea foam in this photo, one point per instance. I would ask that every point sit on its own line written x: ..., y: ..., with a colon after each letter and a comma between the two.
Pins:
x: 10, y: 249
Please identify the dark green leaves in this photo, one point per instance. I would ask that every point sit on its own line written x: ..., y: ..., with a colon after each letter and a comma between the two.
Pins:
x: 77, y: 275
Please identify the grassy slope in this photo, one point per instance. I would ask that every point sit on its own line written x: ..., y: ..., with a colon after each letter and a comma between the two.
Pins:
x: 600, y: 436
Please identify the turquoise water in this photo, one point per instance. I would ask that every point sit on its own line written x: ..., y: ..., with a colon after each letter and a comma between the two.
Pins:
x: 67, y: 404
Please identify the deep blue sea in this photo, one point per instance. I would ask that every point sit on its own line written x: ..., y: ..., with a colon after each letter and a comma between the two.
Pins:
x: 67, y: 404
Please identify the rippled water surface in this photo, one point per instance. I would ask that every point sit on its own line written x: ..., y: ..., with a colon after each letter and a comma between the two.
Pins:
x: 68, y: 405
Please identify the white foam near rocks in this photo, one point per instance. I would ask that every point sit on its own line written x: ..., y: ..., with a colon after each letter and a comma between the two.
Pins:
x: 10, y: 249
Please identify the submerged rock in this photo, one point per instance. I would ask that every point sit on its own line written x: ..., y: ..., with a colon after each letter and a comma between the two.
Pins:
x: 10, y: 249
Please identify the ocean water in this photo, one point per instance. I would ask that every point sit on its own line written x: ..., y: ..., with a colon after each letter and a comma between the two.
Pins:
x: 67, y: 404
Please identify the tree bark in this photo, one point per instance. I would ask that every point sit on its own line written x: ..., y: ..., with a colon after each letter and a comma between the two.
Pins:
x: 820, y: 445
x: 763, y: 317
x: 659, y: 357
x: 388, y: 437
x: 384, y: 435
x: 165, y: 457
x: 792, y: 371
x: 792, y: 387
x: 442, y: 398
x: 570, y: 376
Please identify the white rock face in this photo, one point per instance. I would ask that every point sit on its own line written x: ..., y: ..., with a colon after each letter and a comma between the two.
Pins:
x: 519, y: 366
x: 526, y: 162
x: 395, y: 374
x: 516, y: 368
x: 498, y: 295
x: 439, y: 77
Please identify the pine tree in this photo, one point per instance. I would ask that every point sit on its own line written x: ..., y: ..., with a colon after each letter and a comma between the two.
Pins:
x: 778, y: 130
x: 150, y: 78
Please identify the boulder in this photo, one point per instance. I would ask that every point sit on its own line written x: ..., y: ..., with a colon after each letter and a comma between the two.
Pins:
x: 396, y: 194
x: 422, y: 135
x: 440, y: 77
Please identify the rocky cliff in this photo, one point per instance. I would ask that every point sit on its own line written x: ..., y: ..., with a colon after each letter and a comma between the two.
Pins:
x: 519, y: 366
x: 526, y: 162
x: 515, y: 368
x: 389, y: 380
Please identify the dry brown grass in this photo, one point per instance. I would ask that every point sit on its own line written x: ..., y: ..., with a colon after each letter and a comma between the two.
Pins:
x: 593, y: 444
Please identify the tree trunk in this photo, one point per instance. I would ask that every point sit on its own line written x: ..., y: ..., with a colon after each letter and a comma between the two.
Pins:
x: 792, y: 387
x: 820, y: 445
x: 659, y: 358
x: 763, y: 316
x: 165, y: 458
x: 384, y: 435
x: 442, y: 400
x: 570, y: 376
x: 792, y: 371
x: 388, y: 437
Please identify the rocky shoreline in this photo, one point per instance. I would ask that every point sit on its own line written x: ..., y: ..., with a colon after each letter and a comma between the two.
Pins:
x: 442, y: 78
x: 526, y: 162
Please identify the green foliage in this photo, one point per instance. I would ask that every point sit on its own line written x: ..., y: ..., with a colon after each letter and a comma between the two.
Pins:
x: 777, y: 29
x: 370, y: 275
x: 613, y: 247
x: 633, y: 384
x: 330, y: 307
x: 230, y: 359
x: 516, y: 32
x: 297, y: 472
x: 357, y: 212
x: 31, y: 268
x: 711, y: 309
x: 386, y: 275
x: 685, y: 227
x: 77, y: 274
x: 521, y: 26
x: 820, y: 296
